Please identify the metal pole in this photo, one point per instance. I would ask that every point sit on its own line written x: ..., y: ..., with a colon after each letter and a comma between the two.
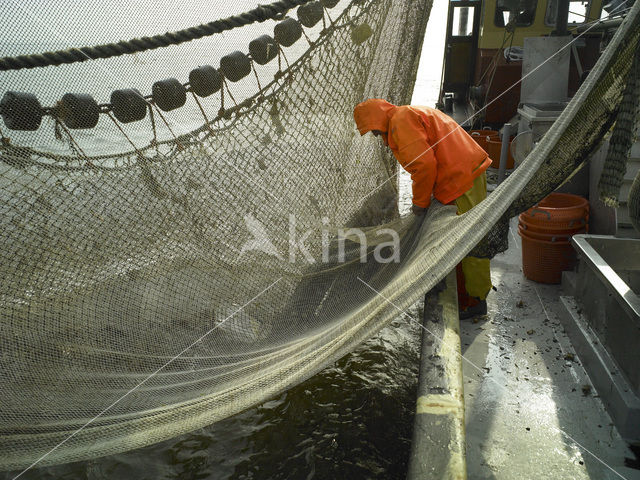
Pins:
x: 504, y: 152
x: 562, y: 19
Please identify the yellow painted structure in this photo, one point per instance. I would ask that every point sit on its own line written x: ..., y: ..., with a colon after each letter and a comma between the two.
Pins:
x: 491, y: 35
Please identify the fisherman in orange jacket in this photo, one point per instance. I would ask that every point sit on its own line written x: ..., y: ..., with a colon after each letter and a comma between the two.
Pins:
x: 444, y: 161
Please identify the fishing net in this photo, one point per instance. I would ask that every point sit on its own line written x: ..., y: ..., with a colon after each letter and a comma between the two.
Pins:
x: 622, y: 138
x: 164, y: 273
x: 634, y: 203
x: 627, y: 127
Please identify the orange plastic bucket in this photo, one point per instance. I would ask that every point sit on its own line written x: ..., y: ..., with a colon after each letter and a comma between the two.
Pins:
x: 544, y: 261
x: 545, y: 236
x: 566, y: 201
x: 558, y: 210
x: 560, y: 228
x: 494, y: 149
x: 546, y: 231
x: 480, y: 136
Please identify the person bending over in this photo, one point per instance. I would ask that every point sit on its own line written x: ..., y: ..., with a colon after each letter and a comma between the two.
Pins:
x: 444, y: 162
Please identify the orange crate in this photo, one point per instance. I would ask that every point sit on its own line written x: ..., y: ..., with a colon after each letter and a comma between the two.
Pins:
x: 494, y: 148
x: 560, y: 228
x: 544, y: 261
x: 558, y: 210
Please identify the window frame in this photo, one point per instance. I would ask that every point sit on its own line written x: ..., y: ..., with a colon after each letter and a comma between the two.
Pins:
x: 549, y: 23
x: 497, y: 13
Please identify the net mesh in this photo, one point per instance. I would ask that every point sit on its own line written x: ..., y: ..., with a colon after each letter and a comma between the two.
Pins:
x: 164, y: 274
x: 622, y: 138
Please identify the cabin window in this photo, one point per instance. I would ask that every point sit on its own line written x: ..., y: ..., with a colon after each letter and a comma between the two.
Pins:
x: 462, y: 21
x: 521, y: 13
x: 614, y: 8
x: 578, y: 10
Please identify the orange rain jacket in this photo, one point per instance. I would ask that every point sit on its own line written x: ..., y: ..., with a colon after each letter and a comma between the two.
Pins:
x: 441, y: 157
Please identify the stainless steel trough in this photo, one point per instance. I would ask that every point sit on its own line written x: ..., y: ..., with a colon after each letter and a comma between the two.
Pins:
x: 602, y: 318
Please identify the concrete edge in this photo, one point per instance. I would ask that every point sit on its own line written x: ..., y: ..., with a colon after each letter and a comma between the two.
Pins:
x: 438, y: 448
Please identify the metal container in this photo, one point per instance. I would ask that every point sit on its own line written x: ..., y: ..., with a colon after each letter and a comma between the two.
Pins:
x: 603, y: 321
x: 537, y: 119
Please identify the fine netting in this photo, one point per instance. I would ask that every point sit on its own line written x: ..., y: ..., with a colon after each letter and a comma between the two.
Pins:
x: 622, y: 138
x: 163, y: 274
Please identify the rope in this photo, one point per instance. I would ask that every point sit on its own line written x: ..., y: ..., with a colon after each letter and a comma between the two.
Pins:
x: 275, y: 87
x: 137, y: 45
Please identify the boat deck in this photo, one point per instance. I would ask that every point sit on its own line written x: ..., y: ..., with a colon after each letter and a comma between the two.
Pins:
x: 531, y: 410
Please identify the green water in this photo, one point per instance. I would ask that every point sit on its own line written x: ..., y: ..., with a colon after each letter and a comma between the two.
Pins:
x: 351, y: 421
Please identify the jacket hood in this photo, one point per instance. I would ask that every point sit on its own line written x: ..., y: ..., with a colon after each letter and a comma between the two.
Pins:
x: 373, y: 114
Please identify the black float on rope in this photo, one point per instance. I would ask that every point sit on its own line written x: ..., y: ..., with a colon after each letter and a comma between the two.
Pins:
x: 169, y: 94
x: 128, y: 105
x: 78, y: 110
x: 310, y: 13
x: 205, y: 80
x: 235, y: 66
x: 287, y: 32
x: 21, y: 111
x: 263, y: 49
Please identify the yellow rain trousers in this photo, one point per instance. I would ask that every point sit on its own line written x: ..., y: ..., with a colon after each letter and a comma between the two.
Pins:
x: 474, y: 277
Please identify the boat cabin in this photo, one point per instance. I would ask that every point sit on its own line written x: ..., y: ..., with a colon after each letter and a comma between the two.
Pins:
x: 485, y: 51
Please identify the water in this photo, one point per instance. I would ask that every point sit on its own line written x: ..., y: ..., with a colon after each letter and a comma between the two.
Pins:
x: 354, y: 419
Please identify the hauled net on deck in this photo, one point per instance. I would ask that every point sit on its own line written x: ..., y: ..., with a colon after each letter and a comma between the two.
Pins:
x: 177, y: 263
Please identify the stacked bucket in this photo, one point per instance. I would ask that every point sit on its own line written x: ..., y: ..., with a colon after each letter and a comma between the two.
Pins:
x: 546, y: 230
x: 491, y: 143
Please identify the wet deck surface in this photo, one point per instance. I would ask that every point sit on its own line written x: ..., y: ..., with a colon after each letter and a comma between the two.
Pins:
x: 530, y: 409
